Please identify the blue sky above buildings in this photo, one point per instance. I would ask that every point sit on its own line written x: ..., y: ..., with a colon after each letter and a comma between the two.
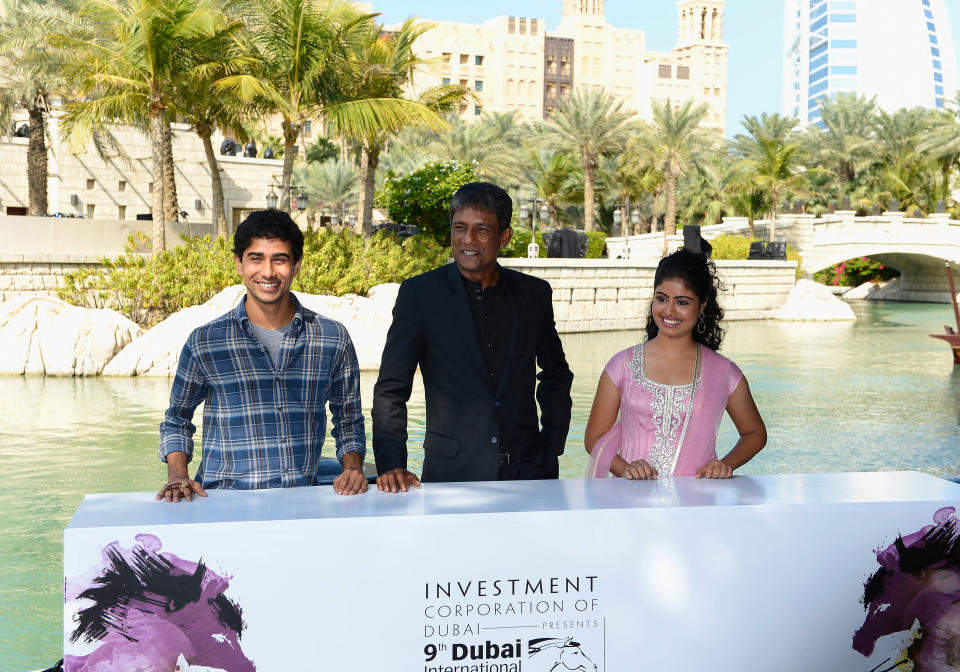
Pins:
x: 752, y: 28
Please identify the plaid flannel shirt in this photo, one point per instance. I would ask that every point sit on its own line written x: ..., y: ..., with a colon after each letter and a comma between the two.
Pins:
x: 264, y: 425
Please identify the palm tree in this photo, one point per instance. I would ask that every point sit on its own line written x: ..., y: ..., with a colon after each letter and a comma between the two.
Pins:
x: 203, y: 61
x: 406, y: 152
x: 554, y: 174
x: 706, y: 189
x: 670, y: 143
x: 301, y: 48
x: 771, y: 157
x: 491, y: 144
x: 387, y: 63
x: 846, y: 144
x: 643, y: 183
x: 745, y: 198
x: 943, y: 140
x: 589, y: 124
x: 127, y: 69
x: 332, y: 182
x: 305, y: 49
x: 29, y: 75
x: 911, y: 175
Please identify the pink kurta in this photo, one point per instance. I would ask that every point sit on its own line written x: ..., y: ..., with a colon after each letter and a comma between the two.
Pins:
x: 652, y: 415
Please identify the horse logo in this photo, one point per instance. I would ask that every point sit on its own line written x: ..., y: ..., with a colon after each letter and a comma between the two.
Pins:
x: 154, y: 612
x: 917, y: 590
x: 565, y: 653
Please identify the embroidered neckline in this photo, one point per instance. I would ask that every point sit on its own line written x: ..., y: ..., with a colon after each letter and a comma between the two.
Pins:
x: 640, y: 372
x: 672, y: 406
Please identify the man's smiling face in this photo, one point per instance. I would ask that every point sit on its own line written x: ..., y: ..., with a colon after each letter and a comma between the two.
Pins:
x: 475, y: 239
x: 267, y: 269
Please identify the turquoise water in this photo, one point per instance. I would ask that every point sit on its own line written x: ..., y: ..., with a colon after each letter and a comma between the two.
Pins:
x: 878, y: 394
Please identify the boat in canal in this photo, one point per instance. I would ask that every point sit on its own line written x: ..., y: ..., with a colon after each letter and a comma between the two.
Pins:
x: 952, y: 336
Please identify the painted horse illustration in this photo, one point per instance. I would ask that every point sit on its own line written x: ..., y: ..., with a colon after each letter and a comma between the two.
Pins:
x: 571, y: 656
x: 153, y: 612
x: 917, y: 588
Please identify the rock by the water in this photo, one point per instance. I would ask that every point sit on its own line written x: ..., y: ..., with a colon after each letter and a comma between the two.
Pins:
x: 157, y: 351
x: 863, y: 291
x: 44, y: 335
x: 810, y: 301
x: 889, y: 290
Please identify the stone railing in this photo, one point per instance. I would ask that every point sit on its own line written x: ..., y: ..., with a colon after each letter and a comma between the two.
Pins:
x: 649, y: 247
x: 611, y: 294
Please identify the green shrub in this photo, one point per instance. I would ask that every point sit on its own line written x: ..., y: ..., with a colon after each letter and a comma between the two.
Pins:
x: 422, y: 198
x: 596, y: 244
x: 794, y: 255
x: 387, y: 260
x: 517, y: 247
x: 148, y: 289
x: 729, y: 246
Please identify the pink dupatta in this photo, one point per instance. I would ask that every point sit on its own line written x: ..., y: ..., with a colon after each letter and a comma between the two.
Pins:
x: 604, y: 450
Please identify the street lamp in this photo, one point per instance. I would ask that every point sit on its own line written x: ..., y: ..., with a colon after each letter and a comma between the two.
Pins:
x: 625, y: 215
x: 301, y: 198
x: 533, y: 250
x: 340, y: 214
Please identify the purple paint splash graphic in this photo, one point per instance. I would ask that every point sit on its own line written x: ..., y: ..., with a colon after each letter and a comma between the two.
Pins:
x: 155, y: 612
x: 918, y: 583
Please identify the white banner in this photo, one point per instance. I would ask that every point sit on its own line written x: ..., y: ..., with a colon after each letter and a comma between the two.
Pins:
x: 753, y: 573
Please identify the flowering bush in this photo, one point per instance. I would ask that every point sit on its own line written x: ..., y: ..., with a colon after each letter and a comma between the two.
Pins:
x: 855, y: 272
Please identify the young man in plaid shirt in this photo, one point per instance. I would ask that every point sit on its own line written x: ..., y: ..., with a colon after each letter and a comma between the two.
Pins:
x: 265, y: 372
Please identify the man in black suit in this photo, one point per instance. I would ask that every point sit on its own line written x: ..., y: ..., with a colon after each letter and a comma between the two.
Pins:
x: 477, y: 331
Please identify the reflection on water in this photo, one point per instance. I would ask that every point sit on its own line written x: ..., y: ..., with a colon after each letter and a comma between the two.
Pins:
x: 879, y: 394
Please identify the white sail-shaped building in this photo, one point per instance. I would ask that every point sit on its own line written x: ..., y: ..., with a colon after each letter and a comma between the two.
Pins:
x: 900, y: 51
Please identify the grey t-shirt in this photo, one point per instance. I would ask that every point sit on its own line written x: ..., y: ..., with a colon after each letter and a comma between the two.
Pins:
x: 272, y: 338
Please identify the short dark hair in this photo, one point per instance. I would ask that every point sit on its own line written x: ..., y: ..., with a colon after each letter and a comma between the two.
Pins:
x: 483, y: 196
x: 700, y: 275
x: 268, y: 224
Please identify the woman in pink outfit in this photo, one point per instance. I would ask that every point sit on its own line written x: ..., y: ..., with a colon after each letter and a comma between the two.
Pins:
x: 670, y: 391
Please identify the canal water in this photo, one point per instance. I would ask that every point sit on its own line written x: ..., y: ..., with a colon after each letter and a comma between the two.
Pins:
x: 877, y: 394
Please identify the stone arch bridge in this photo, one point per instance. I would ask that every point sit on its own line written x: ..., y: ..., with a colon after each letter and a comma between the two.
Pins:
x: 917, y: 247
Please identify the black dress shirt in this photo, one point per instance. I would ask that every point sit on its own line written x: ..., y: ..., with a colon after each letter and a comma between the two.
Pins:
x: 493, y: 320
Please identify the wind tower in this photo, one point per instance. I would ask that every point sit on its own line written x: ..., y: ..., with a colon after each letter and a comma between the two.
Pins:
x: 701, y: 22
x: 700, y: 58
x: 584, y: 9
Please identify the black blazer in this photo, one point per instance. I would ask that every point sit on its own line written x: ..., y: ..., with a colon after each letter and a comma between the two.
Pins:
x: 467, y: 420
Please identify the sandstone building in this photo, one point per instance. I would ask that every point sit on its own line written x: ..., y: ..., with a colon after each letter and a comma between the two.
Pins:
x: 516, y: 63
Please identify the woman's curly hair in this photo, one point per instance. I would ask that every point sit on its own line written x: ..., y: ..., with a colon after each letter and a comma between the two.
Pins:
x: 700, y: 275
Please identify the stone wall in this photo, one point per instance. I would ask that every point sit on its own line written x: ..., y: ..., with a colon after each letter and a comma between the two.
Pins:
x: 588, y: 294
x: 610, y: 294
x: 38, y: 274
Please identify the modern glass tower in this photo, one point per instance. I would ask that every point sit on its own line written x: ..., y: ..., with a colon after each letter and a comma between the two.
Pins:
x: 900, y: 51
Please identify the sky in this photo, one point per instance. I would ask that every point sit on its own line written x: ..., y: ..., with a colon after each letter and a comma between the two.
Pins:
x: 753, y: 29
